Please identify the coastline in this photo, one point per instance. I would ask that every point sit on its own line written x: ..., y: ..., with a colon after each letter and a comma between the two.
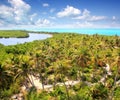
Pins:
x: 32, y: 37
x: 109, y: 32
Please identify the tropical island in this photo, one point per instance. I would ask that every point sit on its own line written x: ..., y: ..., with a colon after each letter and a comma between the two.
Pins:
x: 59, y: 50
x: 64, y: 67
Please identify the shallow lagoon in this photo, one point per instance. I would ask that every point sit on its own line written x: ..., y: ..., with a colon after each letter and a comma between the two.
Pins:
x: 32, y: 37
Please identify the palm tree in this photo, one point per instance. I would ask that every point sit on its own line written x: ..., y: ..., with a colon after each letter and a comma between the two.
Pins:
x: 81, y: 61
x: 5, y: 77
x: 24, y: 70
x: 115, y: 77
x: 40, y: 67
x: 63, y: 68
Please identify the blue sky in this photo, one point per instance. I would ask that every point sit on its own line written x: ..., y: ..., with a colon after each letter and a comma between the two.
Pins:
x: 59, y: 14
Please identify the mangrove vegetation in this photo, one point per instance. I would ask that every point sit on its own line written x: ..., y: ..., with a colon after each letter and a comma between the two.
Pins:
x: 68, y: 66
x: 13, y: 34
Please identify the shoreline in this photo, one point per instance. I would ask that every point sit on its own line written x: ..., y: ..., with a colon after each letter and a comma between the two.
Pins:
x: 107, y: 32
x: 32, y: 37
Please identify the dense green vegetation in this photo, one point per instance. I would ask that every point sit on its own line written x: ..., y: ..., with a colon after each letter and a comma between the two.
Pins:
x: 62, y: 58
x: 13, y: 33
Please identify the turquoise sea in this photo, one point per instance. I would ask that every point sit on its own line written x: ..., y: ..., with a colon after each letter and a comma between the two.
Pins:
x: 82, y: 31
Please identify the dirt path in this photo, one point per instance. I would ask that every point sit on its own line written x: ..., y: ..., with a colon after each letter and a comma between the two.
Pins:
x: 37, y: 83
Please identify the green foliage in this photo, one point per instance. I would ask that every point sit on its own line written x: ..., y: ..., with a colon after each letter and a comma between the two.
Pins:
x: 13, y: 89
x: 32, y: 94
x: 59, y: 92
x: 15, y: 50
x: 117, y: 93
x: 99, y: 92
x: 13, y: 33
x: 59, y: 59
x: 2, y: 52
x: 1, y: 45
x: 82, y: 92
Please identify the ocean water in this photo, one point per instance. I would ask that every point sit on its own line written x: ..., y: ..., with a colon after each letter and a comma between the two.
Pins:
x: 83, y: 31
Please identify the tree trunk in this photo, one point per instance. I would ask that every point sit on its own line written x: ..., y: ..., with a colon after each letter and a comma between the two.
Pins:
x: 114, y: 85
x: 67, y: 90
x: 54, y: 84
x: 42, y: 81
x: 31, y: 82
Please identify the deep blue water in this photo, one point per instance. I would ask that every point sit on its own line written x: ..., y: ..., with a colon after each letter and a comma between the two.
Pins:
x: 83, y: 31
x: 32, y: 37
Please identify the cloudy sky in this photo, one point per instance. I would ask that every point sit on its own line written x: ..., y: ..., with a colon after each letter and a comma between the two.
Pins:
x: 59, y: 14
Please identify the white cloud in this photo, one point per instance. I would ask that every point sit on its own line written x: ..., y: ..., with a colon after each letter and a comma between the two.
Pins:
x: 113, y: 17
x: 52, y: 17
x: 18, y: 4
x: 42, y: 22
x: 5, y: 12
x: 52, y: 10
x: 69, y: 11
x: 85, y: 24
x: 96, y: 18
x: 75, y: 25
x: 1, y: 23
x: 85, y: 14
x: 33, y: 16
x: 16, y: 13
x: 21, y: 10
x: 88, y: 17
x: 115, y: 24
x: 45, y: 5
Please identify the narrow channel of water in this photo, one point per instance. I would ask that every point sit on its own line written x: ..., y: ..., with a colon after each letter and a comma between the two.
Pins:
x: 32, y: 37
